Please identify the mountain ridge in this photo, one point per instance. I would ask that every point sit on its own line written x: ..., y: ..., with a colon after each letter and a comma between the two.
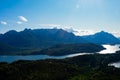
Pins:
x: 102, y: 38
x: 39, y: 38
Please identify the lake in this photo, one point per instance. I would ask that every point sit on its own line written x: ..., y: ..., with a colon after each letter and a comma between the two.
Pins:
x: 109, y: 49
x: 117, y: 64
x: 10, y: 59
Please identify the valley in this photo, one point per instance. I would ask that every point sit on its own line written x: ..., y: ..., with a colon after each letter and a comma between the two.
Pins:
x: 62, y: 56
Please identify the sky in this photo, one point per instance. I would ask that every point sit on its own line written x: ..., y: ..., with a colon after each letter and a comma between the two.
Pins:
x: 83, y: 15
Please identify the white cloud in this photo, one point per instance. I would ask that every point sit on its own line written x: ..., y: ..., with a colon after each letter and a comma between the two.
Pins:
x: 117, y: 34
x: 49, y: 25
x: 22, y: 18
x: 3, y: 22
x: 19, y: 22
x: 78, y: 32
x: 68, y: 28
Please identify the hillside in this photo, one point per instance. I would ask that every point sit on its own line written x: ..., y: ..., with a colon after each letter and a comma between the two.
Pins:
x: 6, y: 49
x: 66, y: 49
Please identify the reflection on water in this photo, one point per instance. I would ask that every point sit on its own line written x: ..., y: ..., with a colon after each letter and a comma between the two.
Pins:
x: 110, y: 49
x: 117, y: 64
x: 77, y: 54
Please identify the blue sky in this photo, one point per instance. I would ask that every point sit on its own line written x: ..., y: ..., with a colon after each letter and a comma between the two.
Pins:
x: 92, y: 15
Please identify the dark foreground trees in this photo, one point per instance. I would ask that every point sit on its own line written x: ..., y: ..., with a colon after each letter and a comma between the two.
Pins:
x: 86, y: 67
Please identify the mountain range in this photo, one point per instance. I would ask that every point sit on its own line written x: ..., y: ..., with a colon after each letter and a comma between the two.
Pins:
x: 38, y: 39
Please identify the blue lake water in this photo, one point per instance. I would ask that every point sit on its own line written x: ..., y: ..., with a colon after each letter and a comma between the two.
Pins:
x: 27, y: 57
x: 35, y: 57
x: 109, y: 49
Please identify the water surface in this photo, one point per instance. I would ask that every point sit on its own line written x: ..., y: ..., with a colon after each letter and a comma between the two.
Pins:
x: 110, y: 49
x: 117, y: 64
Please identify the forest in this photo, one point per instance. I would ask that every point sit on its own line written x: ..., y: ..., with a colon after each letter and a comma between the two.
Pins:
x: 85, y: 67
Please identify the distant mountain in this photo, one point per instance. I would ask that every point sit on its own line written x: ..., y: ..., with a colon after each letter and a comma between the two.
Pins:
x: 39, y: 38
x: 102, y: 38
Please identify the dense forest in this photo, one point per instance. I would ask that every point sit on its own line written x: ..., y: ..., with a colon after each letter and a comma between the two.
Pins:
x: 85, y: 67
